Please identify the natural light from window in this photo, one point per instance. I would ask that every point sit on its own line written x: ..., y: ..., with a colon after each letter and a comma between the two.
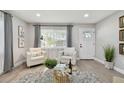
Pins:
x: 53, y: 37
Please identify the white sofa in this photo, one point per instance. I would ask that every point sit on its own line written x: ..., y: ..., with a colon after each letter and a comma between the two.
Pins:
x: 67, y: 54
x: 35, y: 56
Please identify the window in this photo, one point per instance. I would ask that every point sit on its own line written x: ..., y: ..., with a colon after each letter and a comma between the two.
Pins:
x: 53, y: 36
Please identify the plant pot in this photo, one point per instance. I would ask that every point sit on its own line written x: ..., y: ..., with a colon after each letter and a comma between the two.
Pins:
x: 109, y: 65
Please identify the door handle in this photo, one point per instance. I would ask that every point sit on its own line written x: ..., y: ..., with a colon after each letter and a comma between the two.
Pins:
x: 80, y: 45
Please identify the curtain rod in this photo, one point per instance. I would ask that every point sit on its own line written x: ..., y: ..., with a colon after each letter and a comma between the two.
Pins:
x: 6, y: 12
x: 52, y: 25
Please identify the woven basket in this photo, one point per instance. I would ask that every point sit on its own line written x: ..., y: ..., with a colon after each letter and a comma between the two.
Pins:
x: 61, y: 77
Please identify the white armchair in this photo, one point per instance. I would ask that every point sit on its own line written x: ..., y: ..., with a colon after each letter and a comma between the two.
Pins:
x: 35, y: 56
x: 67, y: 54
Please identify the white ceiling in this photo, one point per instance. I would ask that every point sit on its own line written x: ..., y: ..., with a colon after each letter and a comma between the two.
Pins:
x: 62, y: 16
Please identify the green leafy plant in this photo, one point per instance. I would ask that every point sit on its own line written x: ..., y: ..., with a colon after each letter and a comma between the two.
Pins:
x: 109, y: 53
x: 50, y: 63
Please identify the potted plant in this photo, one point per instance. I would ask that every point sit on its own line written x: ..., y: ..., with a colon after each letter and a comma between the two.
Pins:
x: 109, y: 56
x: 50, y: 63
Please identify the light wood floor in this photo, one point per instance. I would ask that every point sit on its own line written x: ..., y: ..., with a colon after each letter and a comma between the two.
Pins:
x: 84, y: 65
x: 105, y: 75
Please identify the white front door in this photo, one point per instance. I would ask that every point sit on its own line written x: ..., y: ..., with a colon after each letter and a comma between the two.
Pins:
x: 86, y: 43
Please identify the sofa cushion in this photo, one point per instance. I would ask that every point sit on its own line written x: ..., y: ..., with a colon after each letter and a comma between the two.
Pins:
x: 37, y: 57
x: 35, y: 54
x: 35, y: 49
x: 68, y: 51
x: 66, y: 57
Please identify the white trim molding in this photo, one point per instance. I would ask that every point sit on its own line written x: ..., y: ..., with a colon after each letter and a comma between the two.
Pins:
x: 115, y: 68
x: 77, y: 58
x: 99, y: 60
x: 119, y: 70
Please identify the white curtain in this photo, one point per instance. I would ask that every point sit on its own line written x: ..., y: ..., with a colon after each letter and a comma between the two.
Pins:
x: 1, y: 41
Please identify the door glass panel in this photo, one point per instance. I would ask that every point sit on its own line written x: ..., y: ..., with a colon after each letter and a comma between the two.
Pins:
x: 87, y: 34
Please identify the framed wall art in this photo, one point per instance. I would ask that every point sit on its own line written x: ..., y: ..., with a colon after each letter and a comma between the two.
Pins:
x: 121, y: 21
x: 121, y: 48
x: 20, y: 37
x: 20, y: 31
x: 121, y: 35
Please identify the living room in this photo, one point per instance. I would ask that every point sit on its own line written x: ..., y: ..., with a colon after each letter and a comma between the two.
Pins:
x: 88, y: 32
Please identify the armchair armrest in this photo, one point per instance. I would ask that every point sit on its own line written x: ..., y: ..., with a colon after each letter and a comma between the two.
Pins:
x: 28, y: 56
x: 61, y: 53
x: 28, y: 53
x: 74, y: 54
x: 44, y: 52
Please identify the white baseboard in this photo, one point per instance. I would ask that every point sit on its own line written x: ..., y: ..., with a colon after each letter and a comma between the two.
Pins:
x: 98, y: 60
x: 115, y: 68
x: 78, y: 58
x: 119, y: 70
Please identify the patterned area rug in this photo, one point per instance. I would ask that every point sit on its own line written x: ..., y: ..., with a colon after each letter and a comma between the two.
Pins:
x: 47, y: 77
x: 34, y: 77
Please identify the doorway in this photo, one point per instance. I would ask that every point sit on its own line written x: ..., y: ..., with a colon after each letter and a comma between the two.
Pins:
x: 86, y: 43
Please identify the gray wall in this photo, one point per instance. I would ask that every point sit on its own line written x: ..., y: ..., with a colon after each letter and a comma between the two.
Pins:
x: 107, y: 32
x: 19, y: 53
x: 75, y: 35
x: 30, y: 36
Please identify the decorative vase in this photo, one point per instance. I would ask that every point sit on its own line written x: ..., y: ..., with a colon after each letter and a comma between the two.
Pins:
x: 70, y: 67
x: 109, y: 65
